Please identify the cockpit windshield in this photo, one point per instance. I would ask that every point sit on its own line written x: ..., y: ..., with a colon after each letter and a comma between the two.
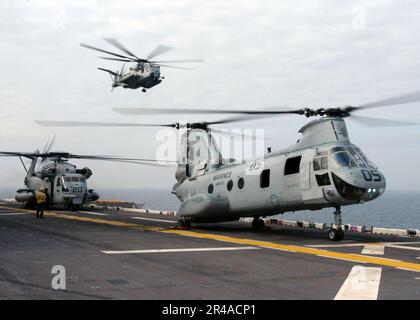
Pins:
x: 369, y: 163
x: 343, y: 159
x: 350, y: 157
x: 74, y: 179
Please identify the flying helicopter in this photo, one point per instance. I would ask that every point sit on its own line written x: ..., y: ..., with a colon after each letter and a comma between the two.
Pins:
x: 323, y: 169
x: 64, y: 183
x: 145, y: 73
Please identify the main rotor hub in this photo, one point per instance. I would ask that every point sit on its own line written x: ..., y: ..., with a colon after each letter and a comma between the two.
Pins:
x: 330, y: 112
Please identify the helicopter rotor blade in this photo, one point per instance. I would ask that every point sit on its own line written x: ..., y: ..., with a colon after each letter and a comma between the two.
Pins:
x: 122, y: 70
x: 104, y: 51
x: 158, y: 163
x: 64, y: 155
x: 117, y: 44
x: 161, y: 49
x: 268, y: 112
x: 179, y: 61
x: 234, y: 133
x: 51, y: 144
x: 29, y: 155
x: 46, y: 146
x: 48, y: 123
x: 173, y: 67
x: 113, y: 158
x: 402, y: 99
x: 109, y: 71
x: 377, y: 122
x: 117, y: 59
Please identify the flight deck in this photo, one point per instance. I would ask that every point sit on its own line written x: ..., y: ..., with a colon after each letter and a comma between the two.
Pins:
x: 118, y: 254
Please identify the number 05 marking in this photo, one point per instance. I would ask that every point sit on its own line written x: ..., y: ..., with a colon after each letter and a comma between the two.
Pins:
x: 371, y: 175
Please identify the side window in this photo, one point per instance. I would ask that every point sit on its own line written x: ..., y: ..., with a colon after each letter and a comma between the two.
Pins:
x: 324, y: 163
x: 323, y: 179
x: 58, y: 181
x: 317, y: 164
x: 292, y: 165
x: 241, y: 183
x: 229, y: 185
x: 320, y: 163
x: 265, y: 178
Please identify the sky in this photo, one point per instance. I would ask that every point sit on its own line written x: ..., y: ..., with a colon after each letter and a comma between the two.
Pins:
x: 257, y: 54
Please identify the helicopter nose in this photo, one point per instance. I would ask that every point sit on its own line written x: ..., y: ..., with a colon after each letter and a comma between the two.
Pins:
x: 359, y: 184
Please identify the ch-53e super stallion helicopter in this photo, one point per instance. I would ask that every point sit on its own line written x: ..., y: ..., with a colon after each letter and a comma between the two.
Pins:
x: 322, y: 169
x: 64, y: 183
x: 145, y: 73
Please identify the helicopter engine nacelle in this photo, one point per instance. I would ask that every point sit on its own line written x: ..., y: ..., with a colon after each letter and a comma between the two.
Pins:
x: 25, y: 195
x: 85, y: 171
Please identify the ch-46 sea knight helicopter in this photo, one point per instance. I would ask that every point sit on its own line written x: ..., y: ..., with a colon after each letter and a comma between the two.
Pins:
x: 64, y: 183
x: 145, y: 73
x: 322, y: 169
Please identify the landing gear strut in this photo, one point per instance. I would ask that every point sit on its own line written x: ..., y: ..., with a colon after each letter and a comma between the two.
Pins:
x: 258, y: 223
x: 184, y: 223
x: 336, y: 234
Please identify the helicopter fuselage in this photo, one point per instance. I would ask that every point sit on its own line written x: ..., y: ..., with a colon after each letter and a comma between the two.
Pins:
x: 324, y: 169
x: 143, y: 75
x: 64, y: 184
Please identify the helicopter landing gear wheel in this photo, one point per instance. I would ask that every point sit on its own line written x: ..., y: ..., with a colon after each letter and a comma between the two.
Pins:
x: 143, y: 90
x: 336, y: 234
x: 184, y: 223
x: 258, y: 223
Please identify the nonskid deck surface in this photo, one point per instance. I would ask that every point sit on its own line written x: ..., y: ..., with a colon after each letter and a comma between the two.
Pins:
x: 109, y: 254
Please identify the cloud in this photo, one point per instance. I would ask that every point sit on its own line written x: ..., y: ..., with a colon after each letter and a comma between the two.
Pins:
x: 258, y: 53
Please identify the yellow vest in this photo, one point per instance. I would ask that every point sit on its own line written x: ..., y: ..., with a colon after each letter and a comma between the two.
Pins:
x: 41, y: 197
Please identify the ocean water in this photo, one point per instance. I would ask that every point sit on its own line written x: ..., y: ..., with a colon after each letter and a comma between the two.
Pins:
x: 394, y: 209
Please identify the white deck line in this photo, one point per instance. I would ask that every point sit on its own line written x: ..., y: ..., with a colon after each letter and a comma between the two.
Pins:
x: 14, y: 213
x: 94, y: 213
x: 180, y: 250
x: 374, y: 249
x: 362, y: 283
x: 152, y: 219
x: 403, y: 247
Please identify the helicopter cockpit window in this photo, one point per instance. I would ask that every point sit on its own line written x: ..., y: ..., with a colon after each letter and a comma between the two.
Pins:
x: 75, y: 179
x: 369, y: 163
x: 323, y: 179
x: 320, y: 163
x: 356, y: 157
x: 63, y: 184
x: 82, y: 179
x: 343, y: 159
x: 336, y: 149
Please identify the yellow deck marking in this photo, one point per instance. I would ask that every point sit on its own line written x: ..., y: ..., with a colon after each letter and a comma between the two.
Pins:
x: 250, y: 242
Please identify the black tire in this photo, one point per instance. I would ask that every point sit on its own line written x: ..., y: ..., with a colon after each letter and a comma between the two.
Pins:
x: 258, y: 224
x: 340, y: 234
x: 333, y: 234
